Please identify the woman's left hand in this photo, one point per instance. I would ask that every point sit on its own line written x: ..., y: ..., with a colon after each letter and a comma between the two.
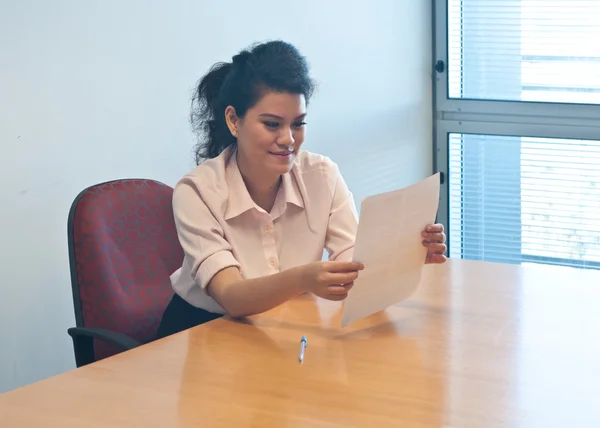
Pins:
x: 434, y: 239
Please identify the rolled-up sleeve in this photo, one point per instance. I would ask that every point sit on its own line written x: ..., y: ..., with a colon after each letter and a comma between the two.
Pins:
x: 200, y: 234
x: 343, y: 220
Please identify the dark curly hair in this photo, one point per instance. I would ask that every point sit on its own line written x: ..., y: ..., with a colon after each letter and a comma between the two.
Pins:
x: 274, y: 66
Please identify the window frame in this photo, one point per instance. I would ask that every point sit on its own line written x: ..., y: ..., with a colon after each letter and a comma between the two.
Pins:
x: 493, y: 117
x: 442, y: 103
x: 446, y: 127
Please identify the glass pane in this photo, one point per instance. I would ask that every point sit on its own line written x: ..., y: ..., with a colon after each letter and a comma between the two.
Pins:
x: 524, y: 50
x: 516, y: 199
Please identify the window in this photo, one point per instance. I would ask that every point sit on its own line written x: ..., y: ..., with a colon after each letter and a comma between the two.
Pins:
x: 515, y: 199
x: 518, y: 129
x: 524, y: 50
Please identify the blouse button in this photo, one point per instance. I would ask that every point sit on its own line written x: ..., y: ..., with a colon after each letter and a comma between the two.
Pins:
x: 272, y: 261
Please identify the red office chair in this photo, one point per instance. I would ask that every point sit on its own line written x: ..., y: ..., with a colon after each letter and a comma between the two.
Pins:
x: 123, y: 247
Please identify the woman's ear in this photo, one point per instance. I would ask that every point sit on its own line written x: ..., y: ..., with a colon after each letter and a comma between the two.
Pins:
x: 232, y: 120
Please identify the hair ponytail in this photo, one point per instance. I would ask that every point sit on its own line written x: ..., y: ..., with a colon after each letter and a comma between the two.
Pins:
x: 207, y: 117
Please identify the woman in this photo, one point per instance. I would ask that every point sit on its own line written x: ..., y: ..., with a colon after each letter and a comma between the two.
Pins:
x: 256, y: 214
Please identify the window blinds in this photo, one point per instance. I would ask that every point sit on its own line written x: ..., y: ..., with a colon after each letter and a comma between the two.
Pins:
x: 524, y: 50
x: 519, y: 199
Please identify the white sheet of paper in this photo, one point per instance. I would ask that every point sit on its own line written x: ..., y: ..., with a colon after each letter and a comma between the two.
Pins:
x: 389, y: 244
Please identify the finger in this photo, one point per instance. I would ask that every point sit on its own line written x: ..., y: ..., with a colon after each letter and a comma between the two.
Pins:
x: 341, y: 278
x: 434, y: 237
x: 435, y: 228
x: 437, y: 258
x: 435, y: 247
x: 334, y: 266
x: 348, y: 286
x: 336, y: 297
x: 339, y: 289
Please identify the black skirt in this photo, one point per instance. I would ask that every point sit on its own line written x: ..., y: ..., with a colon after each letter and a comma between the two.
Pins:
x: 180, y: 316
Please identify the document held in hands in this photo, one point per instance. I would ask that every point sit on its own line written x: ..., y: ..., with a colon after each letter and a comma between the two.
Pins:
x: 389, y: 245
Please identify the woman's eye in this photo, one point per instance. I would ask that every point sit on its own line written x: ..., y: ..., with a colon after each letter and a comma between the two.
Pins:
x: 299, y: 124
x: 272, y: 125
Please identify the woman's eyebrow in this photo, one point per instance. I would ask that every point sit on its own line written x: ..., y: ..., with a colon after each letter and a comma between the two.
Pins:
x: 274, y: 116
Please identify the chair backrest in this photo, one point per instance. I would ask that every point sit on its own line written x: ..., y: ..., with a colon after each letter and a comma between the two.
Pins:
x: 123, y: 247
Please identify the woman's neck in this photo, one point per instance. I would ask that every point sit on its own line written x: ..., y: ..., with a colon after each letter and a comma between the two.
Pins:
x: 262, y: 187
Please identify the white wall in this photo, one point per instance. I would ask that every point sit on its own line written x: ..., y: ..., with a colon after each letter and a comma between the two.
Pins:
x: 99, y: 89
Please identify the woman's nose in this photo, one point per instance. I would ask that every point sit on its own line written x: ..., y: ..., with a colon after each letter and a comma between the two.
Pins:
x: 286, y: 138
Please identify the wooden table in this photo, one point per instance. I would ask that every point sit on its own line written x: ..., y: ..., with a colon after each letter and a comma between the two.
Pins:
x: 479, y: 345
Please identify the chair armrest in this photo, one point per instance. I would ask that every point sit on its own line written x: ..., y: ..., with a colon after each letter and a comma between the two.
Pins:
x: 83, y: 342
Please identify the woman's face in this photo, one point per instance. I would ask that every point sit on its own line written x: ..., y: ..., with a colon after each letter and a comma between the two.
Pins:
x: 271, y: 133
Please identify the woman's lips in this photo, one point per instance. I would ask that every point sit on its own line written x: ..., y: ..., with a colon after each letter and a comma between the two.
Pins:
x: 281, y: 154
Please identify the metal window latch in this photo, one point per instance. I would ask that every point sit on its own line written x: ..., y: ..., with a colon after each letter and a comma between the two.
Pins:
x: 440, y: 66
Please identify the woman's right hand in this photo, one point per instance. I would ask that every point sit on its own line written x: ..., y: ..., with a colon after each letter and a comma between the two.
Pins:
x: 330, y: 280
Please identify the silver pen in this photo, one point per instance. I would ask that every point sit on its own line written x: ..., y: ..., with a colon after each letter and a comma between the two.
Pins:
x: 302, y: 348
